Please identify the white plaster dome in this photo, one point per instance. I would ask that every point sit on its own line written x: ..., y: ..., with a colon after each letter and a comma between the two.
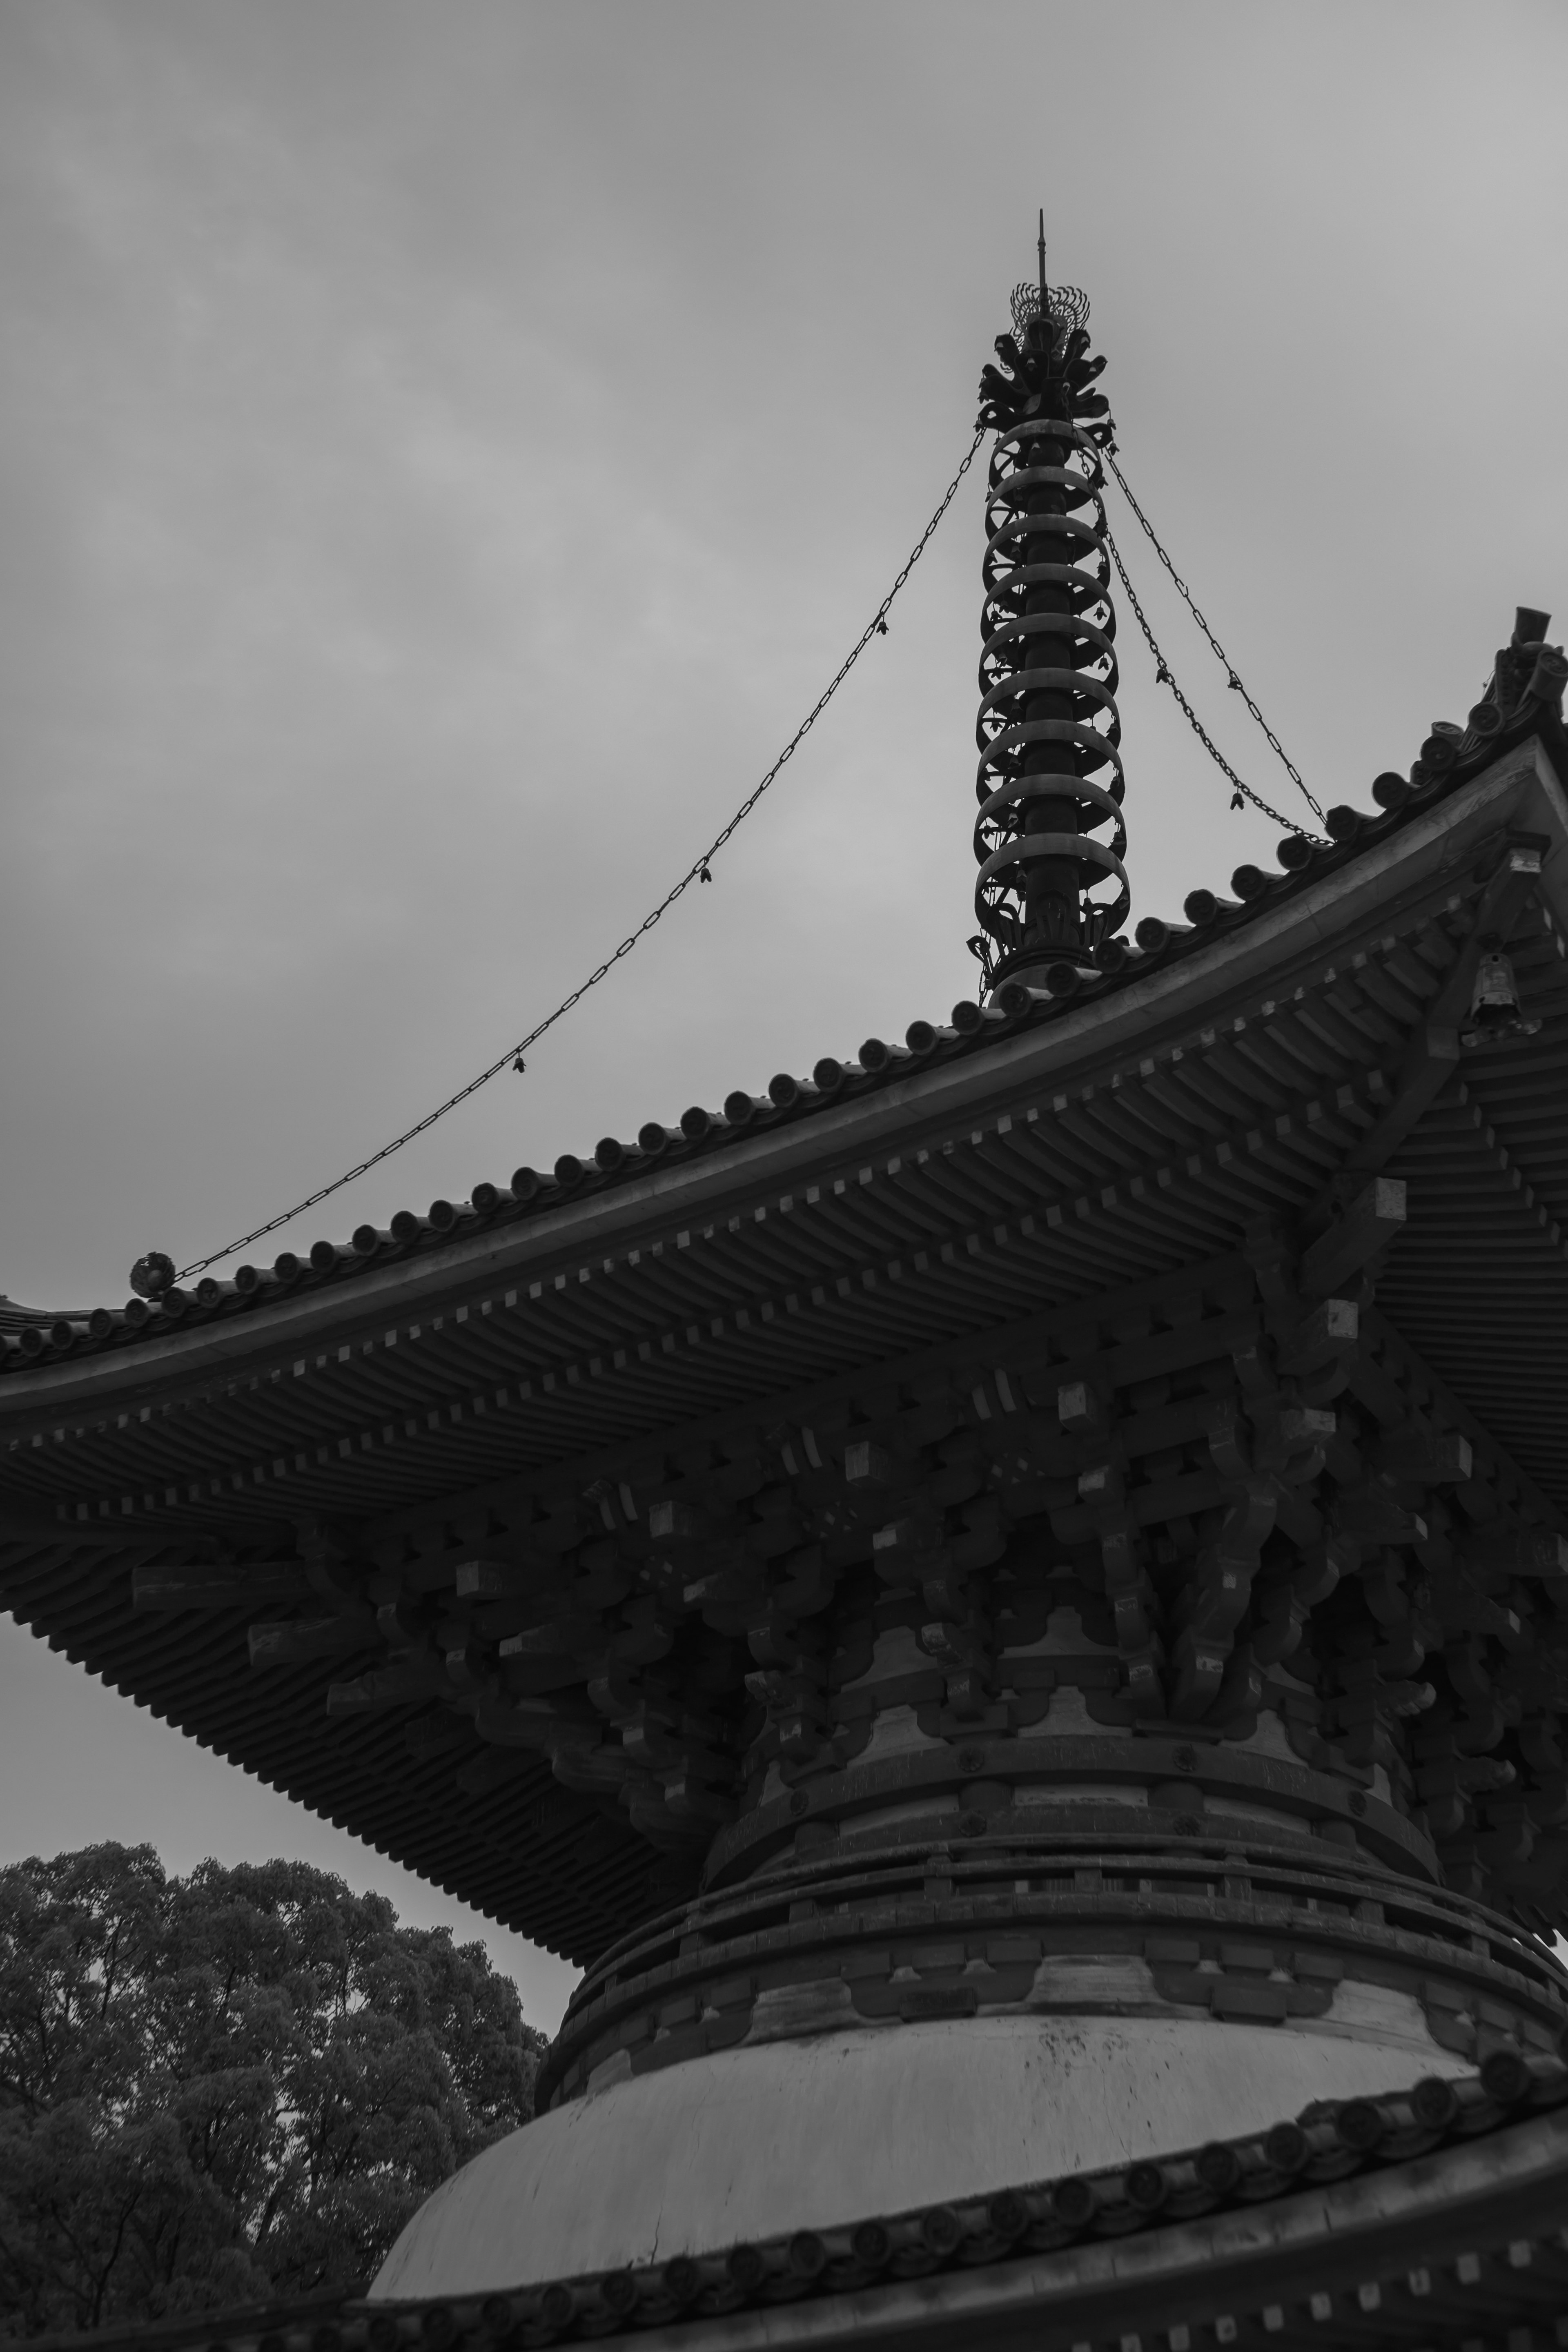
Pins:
x: 838, y: 2128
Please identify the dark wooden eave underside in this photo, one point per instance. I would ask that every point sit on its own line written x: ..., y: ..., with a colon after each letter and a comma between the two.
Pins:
x: 928, y: 1224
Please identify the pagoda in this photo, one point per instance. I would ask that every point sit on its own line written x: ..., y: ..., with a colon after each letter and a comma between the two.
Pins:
x: 1006, y: 1598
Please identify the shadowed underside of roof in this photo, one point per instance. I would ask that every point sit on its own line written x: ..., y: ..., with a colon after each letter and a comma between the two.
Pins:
x: 986, y: 1204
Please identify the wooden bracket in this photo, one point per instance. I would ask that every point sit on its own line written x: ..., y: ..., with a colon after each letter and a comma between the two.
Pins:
x: 227, y: 1586
x: 1370, y: 1223
x: 1515, y: 1551
x: 298, y: 1641
x: 1331, y: 1331
x: 1434, y: 1052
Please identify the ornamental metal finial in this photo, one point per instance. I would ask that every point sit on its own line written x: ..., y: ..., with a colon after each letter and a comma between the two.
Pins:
x: 1066, y: 307
x: 1049, y: 831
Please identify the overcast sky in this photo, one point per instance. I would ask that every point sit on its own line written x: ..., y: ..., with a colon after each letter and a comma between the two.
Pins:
x: 445, y: 448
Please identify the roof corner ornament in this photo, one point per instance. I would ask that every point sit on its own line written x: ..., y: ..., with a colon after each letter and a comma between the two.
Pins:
x: 1050, y: 777
x: 1527, y: 668
x: 1526, y: 685
x: 152, y: 1275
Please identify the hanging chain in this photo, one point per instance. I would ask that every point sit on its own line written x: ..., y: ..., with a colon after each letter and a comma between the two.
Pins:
x: 1237, y: 687
x: 699, y: 870
x: 1163, y: 675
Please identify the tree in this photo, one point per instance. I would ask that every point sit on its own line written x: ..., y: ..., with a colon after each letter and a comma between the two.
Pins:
x: 227, y: 2086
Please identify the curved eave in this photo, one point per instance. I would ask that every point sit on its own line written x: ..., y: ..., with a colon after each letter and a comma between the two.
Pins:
x: 907, y: 1105
x: 903, y: 1226
x: 1459, y: 2245
x: 1193, y: 957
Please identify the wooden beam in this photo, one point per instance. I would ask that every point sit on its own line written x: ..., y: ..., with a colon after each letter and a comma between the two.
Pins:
x: 1332, y: 1329
x: 437, y: 1734
x: 1370, y: 1223
x: 1427, y: 1069
x: 298, y: 1641
x: 45, y: 1528
x: 481, y: 1775
x: 227, y: 1585
x: 1515, y: 1551
x: 1434, y: 1051
x: 396, y: 1685
x: 1025, y: 1340
x: 1425, y: 1457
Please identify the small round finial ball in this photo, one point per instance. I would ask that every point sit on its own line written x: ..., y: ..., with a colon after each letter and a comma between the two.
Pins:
x: 152, y: 1275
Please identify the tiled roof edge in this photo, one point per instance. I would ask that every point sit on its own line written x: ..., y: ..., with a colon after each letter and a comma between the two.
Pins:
x: 1330, y: 2141
x: 30, y: 1337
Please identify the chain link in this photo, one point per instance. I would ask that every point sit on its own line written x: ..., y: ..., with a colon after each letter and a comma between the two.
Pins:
x: 1163, y: 675
x: 1185, y: 594
x: 699, y: 870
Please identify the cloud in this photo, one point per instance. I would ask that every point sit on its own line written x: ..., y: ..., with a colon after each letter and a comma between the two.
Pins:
x: 443, y: 453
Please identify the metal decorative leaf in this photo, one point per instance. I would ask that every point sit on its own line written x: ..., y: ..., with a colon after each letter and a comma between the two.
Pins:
x: 1069, y: 308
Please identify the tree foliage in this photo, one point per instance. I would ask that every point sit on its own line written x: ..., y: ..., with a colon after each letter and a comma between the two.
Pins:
x: 227, y: 2086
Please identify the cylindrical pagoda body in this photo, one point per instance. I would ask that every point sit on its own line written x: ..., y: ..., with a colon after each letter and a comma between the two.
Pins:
x: 996, y: 1944
x: 1009, y: 1894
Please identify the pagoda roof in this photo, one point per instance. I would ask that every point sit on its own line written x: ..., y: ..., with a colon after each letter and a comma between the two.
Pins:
x: 940, y: 1211
x: 1355, y: 853
x: 1429, y: 2219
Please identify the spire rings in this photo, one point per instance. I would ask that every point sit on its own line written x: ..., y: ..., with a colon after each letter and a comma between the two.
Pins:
x: 1010, y: 467
x: 1091, y: 660
x: 998, y: 835
x: 1006, y: 489
x: 1094, y: 587
x: 997, y: 882
x: 1000, y: 850
x: 1044, y: 428
x: 1047, y: 722
x: 1011, y: 484
x: 1019, y: 519
x: 1059, y: 526
x: 1080, y: 683
x: 1089, y: 594
x: 1024, y: 634
x: 1034, y: 788
x: 1079, y: 846
x: 1047, y: 624
x: 1102, y: 746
